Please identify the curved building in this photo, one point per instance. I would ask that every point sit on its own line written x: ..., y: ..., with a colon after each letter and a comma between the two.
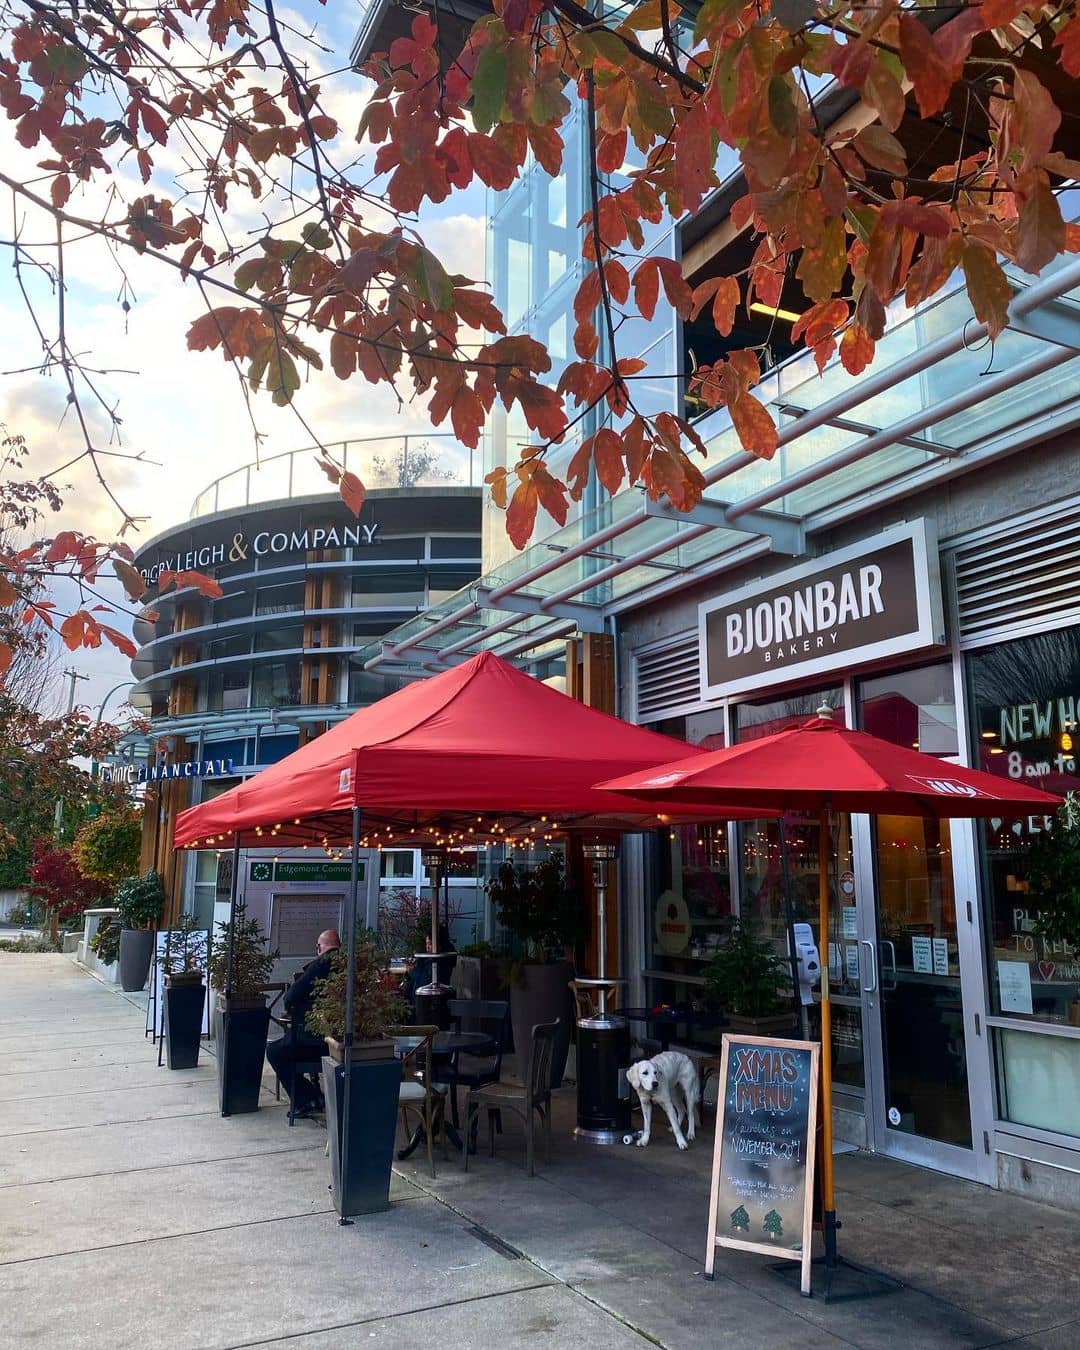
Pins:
x: 233, y: 683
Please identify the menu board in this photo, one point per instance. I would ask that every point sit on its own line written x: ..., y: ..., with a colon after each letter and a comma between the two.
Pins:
x: 761, y: 1197
x: 297, y: 920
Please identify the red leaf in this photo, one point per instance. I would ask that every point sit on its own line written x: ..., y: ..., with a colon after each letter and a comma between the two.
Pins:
x: 678, y: 292
x: 67, y: 544
x: 352, y: 492
x: 608, y: 456
x: 987, y: 286
x: 1069, y: 42
x: 618, y: 281
x: 203, y: 584
x: 521, y: 513
x: 647, y: 287
x: 1036, y: 119
x: 119, y: 641
x: 755, y: 428
x: 5, y: 658
x: 924, y: 65
x: 856, y: 349
x: 725, y: 297
x: 1042, y: 229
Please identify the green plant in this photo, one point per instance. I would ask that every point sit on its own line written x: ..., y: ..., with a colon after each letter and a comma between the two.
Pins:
x: 252, y: 964
x: 405, y: 919
x: 1054, y: 876
x: 377, y: 1005
x: 106, y: 941
x: 185, y: 947
x: 107, y: 847
x: 746, y: 977
x: 139, y: 900
x: 538, y: 907
x: 482, y: 951
x: 27, y: 942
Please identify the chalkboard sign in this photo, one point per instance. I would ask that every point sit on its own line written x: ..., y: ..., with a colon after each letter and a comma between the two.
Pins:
x: 297, y: 920
x: 763, y: 1158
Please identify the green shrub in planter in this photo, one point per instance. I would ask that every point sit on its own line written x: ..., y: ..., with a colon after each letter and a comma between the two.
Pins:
x: 747, y: 978
x: 1054, y: 876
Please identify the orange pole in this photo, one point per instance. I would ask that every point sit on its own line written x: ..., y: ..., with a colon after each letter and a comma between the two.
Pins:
x: 828, y: 1202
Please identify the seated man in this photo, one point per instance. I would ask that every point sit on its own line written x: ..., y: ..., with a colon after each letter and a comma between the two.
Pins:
x: 300, y: 1045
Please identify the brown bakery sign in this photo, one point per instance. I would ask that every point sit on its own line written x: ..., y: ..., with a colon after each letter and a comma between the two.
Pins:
x: 876, y: 599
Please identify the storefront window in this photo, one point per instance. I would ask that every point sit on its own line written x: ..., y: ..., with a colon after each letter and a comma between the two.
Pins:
x: 1039, y: 1080
x: 1025, y: 701
x: 912, y: 708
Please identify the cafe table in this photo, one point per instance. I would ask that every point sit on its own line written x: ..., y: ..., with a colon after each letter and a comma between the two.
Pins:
x: 667, y: 1020
x: 445, y: 1045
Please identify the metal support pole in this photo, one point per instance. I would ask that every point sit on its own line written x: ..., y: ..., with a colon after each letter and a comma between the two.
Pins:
x: 600, y: 886
x: 789, y: 914
x: 828, y: 1200
x: 226, y: 1012
x: 350, y: 996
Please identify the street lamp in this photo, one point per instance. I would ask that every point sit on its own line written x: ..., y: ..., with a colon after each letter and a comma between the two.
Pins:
x: 124, y: 684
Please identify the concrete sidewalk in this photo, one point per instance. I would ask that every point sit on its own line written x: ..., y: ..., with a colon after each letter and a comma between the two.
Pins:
x: 132, y: 1214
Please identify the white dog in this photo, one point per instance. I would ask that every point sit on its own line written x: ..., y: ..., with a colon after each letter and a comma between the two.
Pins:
x: 670, y: 1079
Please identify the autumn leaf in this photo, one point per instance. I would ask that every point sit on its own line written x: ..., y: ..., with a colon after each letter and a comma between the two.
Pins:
x: 197, y: 580
x: 607, y: 453
x: 756, y: 429
x: 987, y: 286
x: 521, y: 513
x: 352, y: 492
x: 8, y: 593
x: 924, y: 65
x: 647, y: 287
x: 725, y: 296
x: 856, y: 349
x: 131, y: 580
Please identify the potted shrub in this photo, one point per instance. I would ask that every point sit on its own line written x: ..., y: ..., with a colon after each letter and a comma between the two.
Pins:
x: 547, y: 916
x: 751, y: 983
x: 242, y: 1020
x: 1054, y: 876
x: 184, y: 995
x: 375, y: 1075
x: 139, y: 900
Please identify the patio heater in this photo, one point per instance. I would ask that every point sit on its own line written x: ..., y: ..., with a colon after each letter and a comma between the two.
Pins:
x: 432, y: 998
x: 603, y: 1040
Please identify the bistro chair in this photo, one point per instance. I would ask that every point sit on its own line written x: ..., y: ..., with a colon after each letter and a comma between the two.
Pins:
x: 289, y: 1033
x: 486, y: 1017
x: 417, y: 1092
x: 532, y: 1098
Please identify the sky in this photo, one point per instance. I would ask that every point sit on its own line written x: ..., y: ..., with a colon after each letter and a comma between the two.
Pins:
x: 182, y: 412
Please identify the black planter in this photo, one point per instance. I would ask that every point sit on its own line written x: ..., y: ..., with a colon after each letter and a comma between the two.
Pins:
x: 183, y: 1024
x: 240, y: 1060
x: 540, y: 993
x: 136, y: 953
x: 372, y: 1125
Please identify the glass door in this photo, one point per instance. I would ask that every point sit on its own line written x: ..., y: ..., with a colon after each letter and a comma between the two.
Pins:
x: 911, y: 947
x: 913, y: 982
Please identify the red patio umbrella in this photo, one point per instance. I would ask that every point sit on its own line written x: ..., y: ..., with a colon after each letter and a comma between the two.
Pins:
x: 818, y: 766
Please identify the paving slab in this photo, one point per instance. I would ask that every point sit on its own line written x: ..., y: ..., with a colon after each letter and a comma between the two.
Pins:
x: 31, y: 1058
x: 253, y: 1282
x: 517, y: 1321
x: 143, y: 1146
x: 181, y: 1093
x: 75, y: 1080
x: 51, y: 1218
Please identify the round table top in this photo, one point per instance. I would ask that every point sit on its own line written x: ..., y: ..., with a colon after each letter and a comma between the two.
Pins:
x: 448, y: 1043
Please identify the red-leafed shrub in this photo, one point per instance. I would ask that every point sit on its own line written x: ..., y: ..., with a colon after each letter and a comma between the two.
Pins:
x: 55, y: 880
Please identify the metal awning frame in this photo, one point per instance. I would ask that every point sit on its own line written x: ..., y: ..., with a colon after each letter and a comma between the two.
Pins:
x: 1037, y: 311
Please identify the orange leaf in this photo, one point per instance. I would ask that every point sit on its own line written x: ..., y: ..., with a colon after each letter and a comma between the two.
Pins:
x: 678, y: 292
x: 1036, y: 119
x: 987, y: 286
x: 119, y: 641
x: 1069, y: 42
x: 352, y: 492
x: 197, y: 580
x: 608, y: 456
x: 925, y: 66
x: 496, y: 480
x: 756, y: 429
x: 725, y: 297
x: 8, y: 593
x: 521, y: 513
x: 1042, y: 229
x: 647, y: 287
x: 856, y: 349
x: 5, y: 658
x: 132, y: 582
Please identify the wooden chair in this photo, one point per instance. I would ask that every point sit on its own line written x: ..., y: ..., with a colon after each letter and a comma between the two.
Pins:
x: 417, y: 1092
x: 487, y: 1017
x: 531, y: 1098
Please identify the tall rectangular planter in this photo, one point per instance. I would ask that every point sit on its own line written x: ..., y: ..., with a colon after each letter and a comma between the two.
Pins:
x: 373, y: 1108
x: 242, y: 1067
x: 183, y: 1024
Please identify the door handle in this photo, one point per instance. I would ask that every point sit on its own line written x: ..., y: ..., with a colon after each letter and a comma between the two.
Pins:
x: 888, y: 967
x: 872, y: 986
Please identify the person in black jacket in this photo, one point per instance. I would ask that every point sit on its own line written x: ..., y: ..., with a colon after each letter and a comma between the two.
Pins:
x: 299, y: 1045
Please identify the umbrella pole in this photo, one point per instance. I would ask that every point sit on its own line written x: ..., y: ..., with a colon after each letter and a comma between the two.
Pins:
x: 350, y: 998
x: 226, y: 1012
x: 828, y: 1201
x: 789, y: 915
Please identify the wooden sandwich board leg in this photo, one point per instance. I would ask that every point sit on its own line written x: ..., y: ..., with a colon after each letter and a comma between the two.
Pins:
x: 714, y: 1185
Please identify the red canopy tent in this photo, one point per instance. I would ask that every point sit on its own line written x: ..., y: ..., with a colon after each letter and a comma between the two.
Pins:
x: 482, y: 740
x: 818, y: 766
x: 480, y: 752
